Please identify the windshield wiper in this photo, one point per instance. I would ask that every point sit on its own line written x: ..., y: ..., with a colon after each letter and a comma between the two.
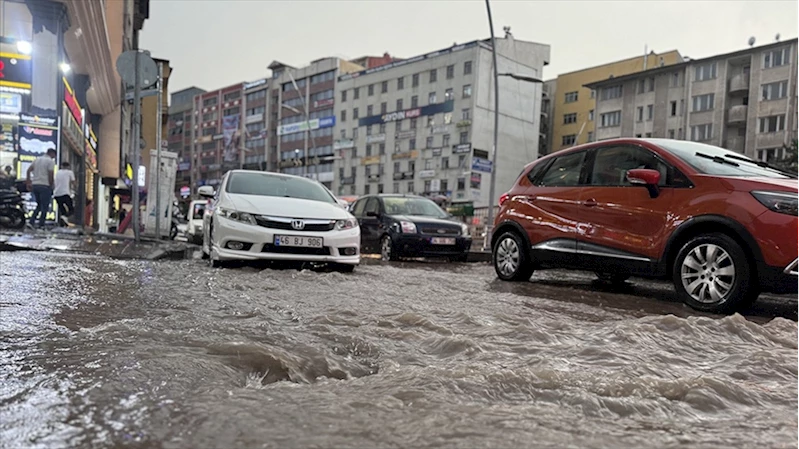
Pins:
x: 760, y: 164
x: 718, y: 159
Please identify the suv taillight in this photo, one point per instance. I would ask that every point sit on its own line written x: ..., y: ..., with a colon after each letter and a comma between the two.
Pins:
x: 503, y: 198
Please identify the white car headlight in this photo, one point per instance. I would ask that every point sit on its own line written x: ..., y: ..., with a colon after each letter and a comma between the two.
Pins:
x: 464, y: 229
x: 234, y: 215
x: 408, y: 227
x: 346, y: 224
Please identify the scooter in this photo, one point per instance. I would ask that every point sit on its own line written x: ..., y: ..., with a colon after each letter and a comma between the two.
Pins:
x: 12, y: 206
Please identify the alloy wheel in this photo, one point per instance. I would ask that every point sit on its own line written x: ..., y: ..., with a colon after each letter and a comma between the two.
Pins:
x: 508, y: 256
x: 708, y: 273
x: 385, y: 248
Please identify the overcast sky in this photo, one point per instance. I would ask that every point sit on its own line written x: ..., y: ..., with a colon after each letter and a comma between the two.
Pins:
x: 215, y: 43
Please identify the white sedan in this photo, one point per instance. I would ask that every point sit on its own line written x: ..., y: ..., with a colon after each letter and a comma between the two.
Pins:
x: 272, y: 216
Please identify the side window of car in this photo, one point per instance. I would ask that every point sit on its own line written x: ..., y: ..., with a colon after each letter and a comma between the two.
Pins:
x: 564, y: 171
x: 358, y: 207
x: 612, y: 163
x: 372, y: 206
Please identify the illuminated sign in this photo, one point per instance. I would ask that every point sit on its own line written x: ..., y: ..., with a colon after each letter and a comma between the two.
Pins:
x: 15, y: 71
x: 72, y: 103
x: 91, y: 148
x: 291, y: 128
x: 431, y: 109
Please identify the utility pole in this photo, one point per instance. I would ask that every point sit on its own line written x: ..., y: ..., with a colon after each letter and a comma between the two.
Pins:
x: 136, y: 137
x: 307, y: 124
x: 493, y: 183
x: 158, y: 119
x: 242, y: 143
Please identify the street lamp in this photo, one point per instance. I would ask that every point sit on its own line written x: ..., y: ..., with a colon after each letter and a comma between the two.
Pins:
x: 24, y: 47
x: 493, y: 182
x: 65, y: 68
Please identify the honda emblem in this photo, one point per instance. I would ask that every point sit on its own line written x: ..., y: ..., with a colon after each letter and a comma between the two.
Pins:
x: 298, y: 224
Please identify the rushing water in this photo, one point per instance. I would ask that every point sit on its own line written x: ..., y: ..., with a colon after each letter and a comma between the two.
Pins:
x: 102, y: 353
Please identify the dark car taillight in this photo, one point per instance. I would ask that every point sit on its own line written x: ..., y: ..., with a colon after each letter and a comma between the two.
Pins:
x: 503, y: 198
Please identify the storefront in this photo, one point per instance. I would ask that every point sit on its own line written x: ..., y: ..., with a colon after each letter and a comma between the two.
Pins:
x: 35, y: 135
x: 91, y: 177
x: 73, y: 146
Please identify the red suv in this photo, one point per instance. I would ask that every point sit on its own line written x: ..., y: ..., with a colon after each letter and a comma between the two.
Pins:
x: 722, y: 226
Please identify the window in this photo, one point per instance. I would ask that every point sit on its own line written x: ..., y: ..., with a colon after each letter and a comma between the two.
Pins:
x: 564, y: 171
x: 252, y: 111
x: 700, y: 133
x: 612, y: 163
x: 343, y: 115
x: 775, y: 91
x: 464, y: 138
x: 431, y: 98
x: 415, y: 80
x: 401, y: 83
x: 368, y: 150
x: 355, y: 133
x: 467, y: 91
x: 411, y: 165
x: 450, y: 72
x: 209, y: 131
x: 650, y: 112
x: 445, y: 140
x: 382, y: 149
x: 646, y: 85
x: 675, y: 80
x: 705, y: 72
x: 687, y: 152
x: 591, y: 115
x: 410, y: 186
x: 445, y: 162
x: 383, y: 107
x: 434, y: 75
x: 356, y: 93
x: 384, y: 87
x: 610, y: 93
x: 429, y: 142
x: 208, y: 116
x: 461, y: 183
x: 590, y: 136
x: 776, y: 58
x: 640, y: 114
x: 467, y: 67
x: 570, y: 97
x: 466, y: 114
x: 648, y: 135
x: 569, y: 118
x: 427, y: 186
x: 413, y: 123
x: 266, y: 184
x: 703, y: 102
x: 256, y: 95
x: 233, y: 96
x: 382, y: 128
x: 366, y: 188
x: 593, y: 94
x: 209, y: 102
x: 443, y: 185
x: 343, y: 95
x: 462, y: 161
x: 772, y: 124
x: 414, y: 101
x: 369, y: 130
x: 568, y: 140
x: 671, y: 134
x: 610, y: 119
x: 323, y: 95
x: 369, y: 110
x: 449, y: 94
x: 322, y: 77
x: 673, y: 108
x: 355, y: 113
x: 399, y: 104
x: 370, y: 90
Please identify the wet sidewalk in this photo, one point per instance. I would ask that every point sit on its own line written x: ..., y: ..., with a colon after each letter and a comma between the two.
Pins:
x: 109, y: 245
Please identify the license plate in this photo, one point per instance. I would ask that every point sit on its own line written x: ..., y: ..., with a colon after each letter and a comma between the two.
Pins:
x: 299, y: 242
x: 442, y: 241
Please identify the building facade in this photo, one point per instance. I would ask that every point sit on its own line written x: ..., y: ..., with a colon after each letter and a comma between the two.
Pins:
x: 178, y: 137
x: 155, y: 125
x: 255, y: 124
x: 573, y: 105
x: 424, y: 125
x: 744, y: 101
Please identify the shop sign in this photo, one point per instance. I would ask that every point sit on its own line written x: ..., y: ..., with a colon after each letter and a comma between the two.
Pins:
x: 72, y: 103
x: 218, y: 136
x: 377, y: 138
x: 10, y: 103
x: 480, y: 164
x: 343, y: 144
x: 184, y: 166
x: 255, y: 83
x: 72, y: 132
x: 475, y: 180
x: 7, y: 137
x: 347, y: 181
x: 36, y: 138
x: 461, y: 209
x: 320, y: 103
x: 461, y: 148
x: 423, y: 174
x: 441, y: 129
x: 15, y: 71
x: 91, y: 148
x: 253, y: 118
x: 370, y: 160
x: 431, y: 109
x: 405, y: 134
x: 317, y: 123
x: 185, y: 191
x: 405, y: 155
x: 436, y: 151
x: 38, y: 119
x: 435, y: 185
x: 204, y: 139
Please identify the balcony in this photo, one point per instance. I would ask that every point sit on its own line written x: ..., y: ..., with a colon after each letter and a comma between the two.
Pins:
x: 736, y: 143
x: 739, y: 84
x: 403, y: 175
x: 736, y: 116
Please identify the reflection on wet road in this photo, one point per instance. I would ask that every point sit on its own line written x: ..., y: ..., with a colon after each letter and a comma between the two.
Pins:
x: 96, y: 353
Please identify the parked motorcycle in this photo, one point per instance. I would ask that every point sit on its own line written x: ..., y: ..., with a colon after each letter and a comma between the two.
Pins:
x: 12, y: 206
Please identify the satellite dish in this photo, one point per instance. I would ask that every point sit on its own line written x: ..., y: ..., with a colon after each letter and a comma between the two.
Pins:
x: 777, y: 37
x: 751, y: 41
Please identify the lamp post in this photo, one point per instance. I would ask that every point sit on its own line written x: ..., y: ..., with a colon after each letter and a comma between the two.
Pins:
x: 493, y: 182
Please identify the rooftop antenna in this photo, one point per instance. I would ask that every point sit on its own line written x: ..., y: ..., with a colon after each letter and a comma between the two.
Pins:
x: 777, y: 37
x: 507, y: 32
x: 751, y: 41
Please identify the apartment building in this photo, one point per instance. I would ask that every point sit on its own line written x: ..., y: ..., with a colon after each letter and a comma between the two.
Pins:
x: 573, y: 117
x: 255, y: 124
x: 217, y: 128
x: 424, y: 125
x: 178, y: 136
x: 744, y: 101
x: 302, y: 117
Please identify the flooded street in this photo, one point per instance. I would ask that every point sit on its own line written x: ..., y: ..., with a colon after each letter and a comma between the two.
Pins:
x: 96, y: 352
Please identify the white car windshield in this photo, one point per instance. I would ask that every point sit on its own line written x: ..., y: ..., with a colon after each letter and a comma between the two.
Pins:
x: 413, y: 206
x: 266, y: 184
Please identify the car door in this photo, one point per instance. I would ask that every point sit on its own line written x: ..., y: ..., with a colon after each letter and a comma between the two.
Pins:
x: 551, y: 208
x: 371, y: 224
x: 621, y: 223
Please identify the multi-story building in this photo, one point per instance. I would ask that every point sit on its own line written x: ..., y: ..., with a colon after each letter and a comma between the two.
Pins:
x: 547, y: 108
x: 573, y: 115
x: 744, y: 101
x: 178, y: 136
x: 216, y: 132
x: 151, y: 120
x: 425, y: 124
x: 369, y: 62
x: 255, y: 124
x: 301, y: 117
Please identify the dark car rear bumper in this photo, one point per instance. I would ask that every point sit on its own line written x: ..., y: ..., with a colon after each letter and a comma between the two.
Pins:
x: 779, y: 280
x: 415, y: 245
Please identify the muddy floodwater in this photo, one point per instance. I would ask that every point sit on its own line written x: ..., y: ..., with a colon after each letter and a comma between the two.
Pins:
x: 99, y: 353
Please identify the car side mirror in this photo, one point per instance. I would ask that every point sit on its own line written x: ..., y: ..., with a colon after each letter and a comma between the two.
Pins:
x: 372, y: 214
x: 206, y: 191
x: 647, y: 178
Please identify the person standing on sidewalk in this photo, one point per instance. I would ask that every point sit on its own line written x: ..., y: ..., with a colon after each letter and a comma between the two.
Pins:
x: 64, y: 186
x: 40, y: 181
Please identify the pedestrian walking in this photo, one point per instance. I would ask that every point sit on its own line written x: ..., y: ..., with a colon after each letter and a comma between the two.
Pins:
x: 64, y: 186
x: 40, y: 181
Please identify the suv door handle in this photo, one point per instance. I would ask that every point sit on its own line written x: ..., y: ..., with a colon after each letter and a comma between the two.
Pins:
x: 589, y: 202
